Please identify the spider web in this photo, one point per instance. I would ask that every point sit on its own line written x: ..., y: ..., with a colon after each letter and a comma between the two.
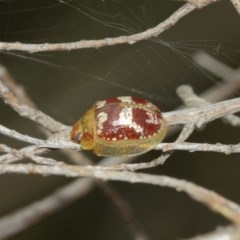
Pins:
x: 152, y: 69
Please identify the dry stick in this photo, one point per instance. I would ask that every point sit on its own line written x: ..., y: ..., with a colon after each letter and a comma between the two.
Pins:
x: 149, y: 33
x: 25, y: 111
x: 16, y: 88
x: 211, y: 199
x: 165, y: 147
x: 204, y: 114
x: 34, y: 150
x: 190, y: 99
x: 20, y: 154
x: 53, y: 142
x: 201, y: 147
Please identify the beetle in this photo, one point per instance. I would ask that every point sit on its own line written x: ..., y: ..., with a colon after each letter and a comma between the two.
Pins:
x: 120, y: 126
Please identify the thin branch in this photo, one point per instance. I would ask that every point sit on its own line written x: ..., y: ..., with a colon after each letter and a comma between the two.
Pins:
x: 149, y: 33
x: 204, y: 114
x: 25, y: 111
x: 201, y: 147
x: 190, y: 99
x: 56, y: 142
x: 211, y: 199
x: 34, y: 150
x: 15, y: 87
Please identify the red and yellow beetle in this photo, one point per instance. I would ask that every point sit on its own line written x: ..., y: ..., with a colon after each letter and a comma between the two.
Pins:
x: 120, y: 126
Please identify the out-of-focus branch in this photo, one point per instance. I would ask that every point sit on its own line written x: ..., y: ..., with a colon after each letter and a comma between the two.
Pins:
x: 236, y: 4
x: 231, y: 77
x: 221, y: 233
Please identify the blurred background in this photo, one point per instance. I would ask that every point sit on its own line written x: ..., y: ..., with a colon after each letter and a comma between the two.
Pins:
x: 65, y: 84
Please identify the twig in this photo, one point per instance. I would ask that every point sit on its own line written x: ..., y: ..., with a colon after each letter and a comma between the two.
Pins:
x: 16, y: 88
x: 56, y: 142
x: 20, y: 154
x: 149, y: 33
x: 214, y: 201
x: 190, y: 99
x: 25, y: 111
x: 202, y: 147
x: 165, y: 147
x: 204, y: 114
x: 10, y: 157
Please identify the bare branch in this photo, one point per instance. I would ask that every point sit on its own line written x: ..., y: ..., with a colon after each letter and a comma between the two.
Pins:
x: 190, y: 99
x: 214, y: 201
x: 16, y: 88
x: 149, y: 33
x: 23, y: 110
x: 204, y: 114
x: 201, y: 147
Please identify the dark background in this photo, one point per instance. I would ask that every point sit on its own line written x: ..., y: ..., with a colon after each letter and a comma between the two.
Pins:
x: 65, y: 84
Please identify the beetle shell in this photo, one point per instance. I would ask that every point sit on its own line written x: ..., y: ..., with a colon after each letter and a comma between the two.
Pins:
x: 120, y: 126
